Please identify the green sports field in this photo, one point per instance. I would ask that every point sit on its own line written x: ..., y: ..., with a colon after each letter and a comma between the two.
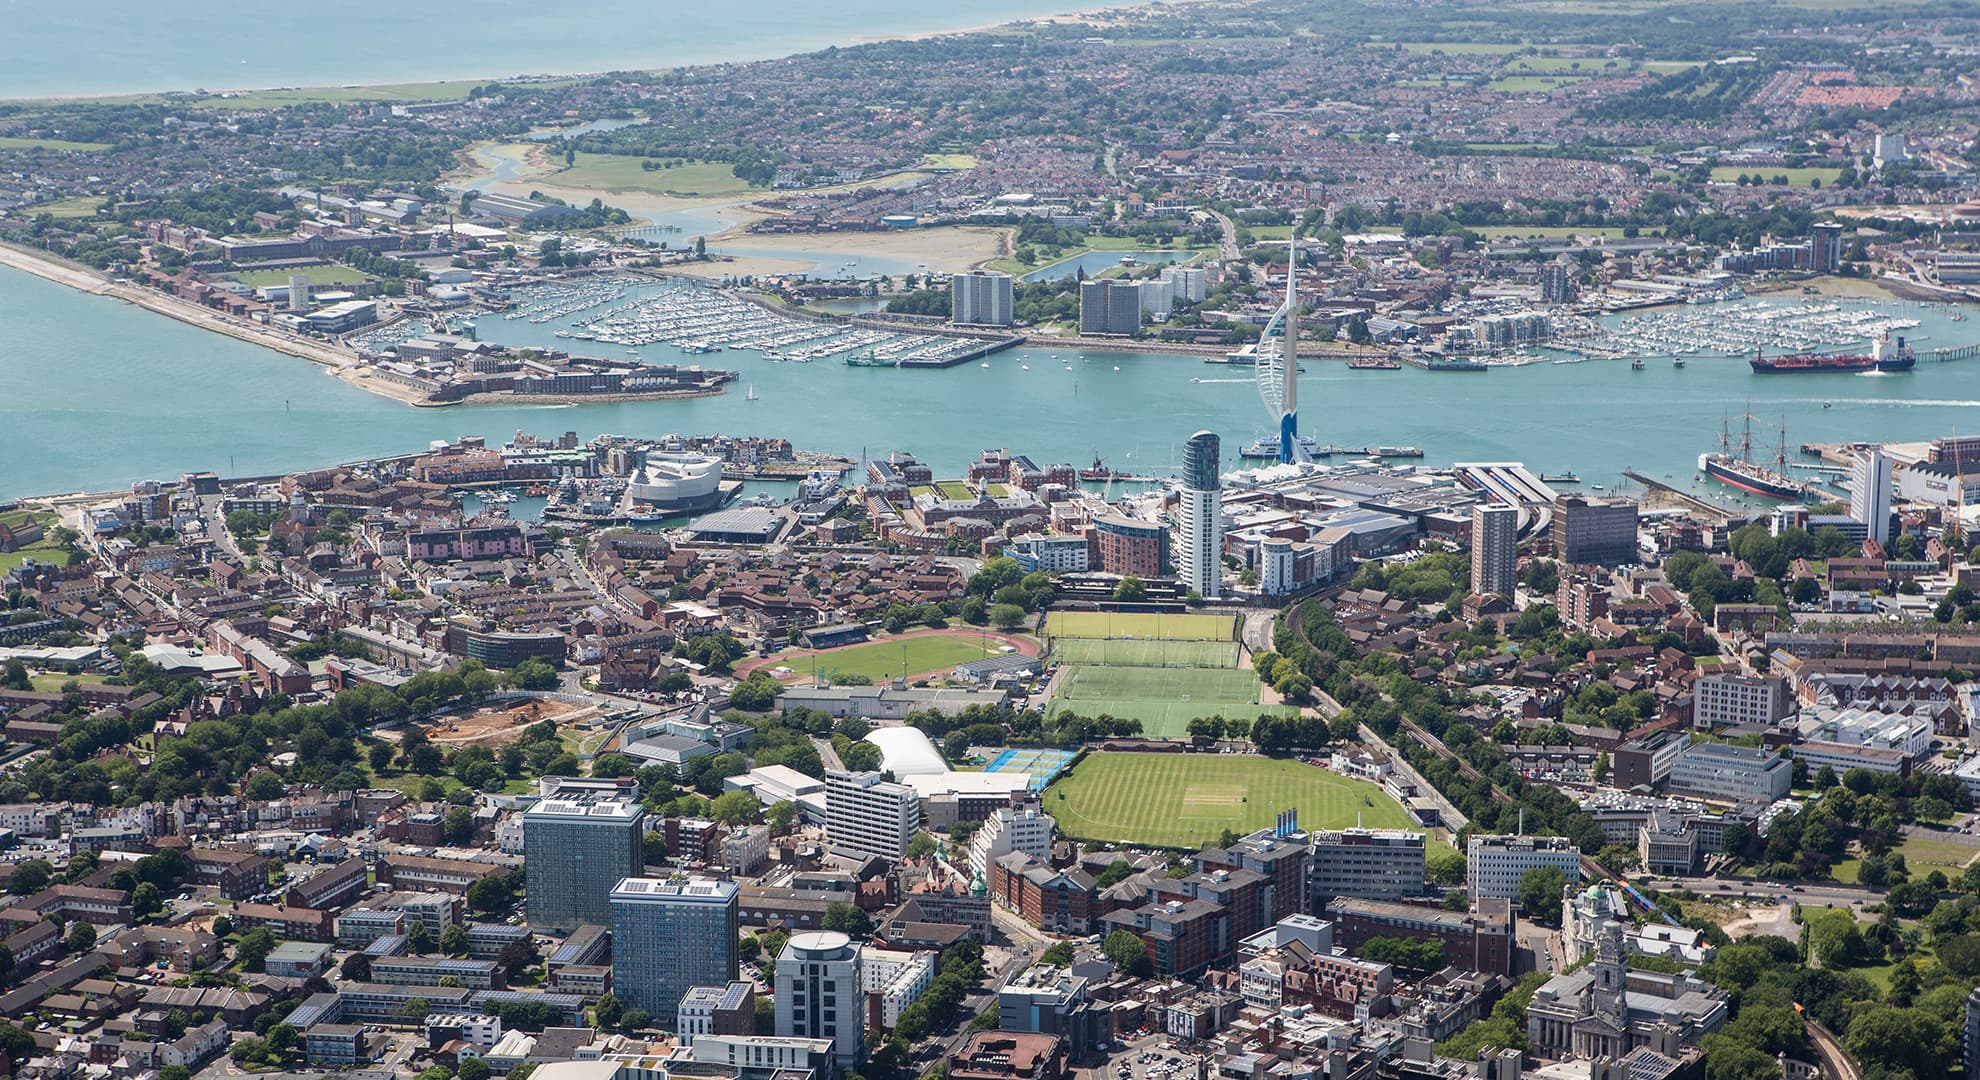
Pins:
x: 1140, y: 652
x: 1187, y: 800
x: 1164, y: 699
x: 1113, y: 624
x: 882, y: 659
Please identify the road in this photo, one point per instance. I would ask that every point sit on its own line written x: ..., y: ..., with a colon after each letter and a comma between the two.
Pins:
x: 1227, y: 248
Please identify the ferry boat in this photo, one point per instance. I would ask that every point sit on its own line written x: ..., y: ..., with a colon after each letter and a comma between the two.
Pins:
x: 1560, y: 478
x: 1399, y: 451
x: 1267, y: 446
x: 1884, y: 355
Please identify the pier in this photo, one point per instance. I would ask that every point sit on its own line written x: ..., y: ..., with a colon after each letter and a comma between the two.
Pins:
x: 1660, y: 494
x: 1957, y: 352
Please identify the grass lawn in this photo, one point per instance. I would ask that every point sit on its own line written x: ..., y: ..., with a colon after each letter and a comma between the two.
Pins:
x: 949, y: 161
x: 1726, y: 174
x: 30, y: 142
x: 1455, y: 48
x: 1549, y: 232
x: 1563, y: 65
x: 1528, y: 84
x: 1184, y: 800
x: 954, y: 489
x: 82, y: 206
x: 42, y: 551
x: 1164, y: 699
x: 1665, y: 67
x: 52, y: 683
x: 1923, y: 854
x: 410, y: 782
x: 616, y: 172
x: 1270, y: 232
x: 317, y: 275
x: 1144, y: 652
x: 1112, y: 624
x: 882, y: 659
x: 19, y: 517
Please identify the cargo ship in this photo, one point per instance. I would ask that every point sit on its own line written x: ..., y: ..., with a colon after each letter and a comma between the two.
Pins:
x: 1100, y: 471
x: 1884, y: 355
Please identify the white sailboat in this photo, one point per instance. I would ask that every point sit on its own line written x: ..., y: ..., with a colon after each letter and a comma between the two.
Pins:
x: 751, y: 396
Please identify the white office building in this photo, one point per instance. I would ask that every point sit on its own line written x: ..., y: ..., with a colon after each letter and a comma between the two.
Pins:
x: 1187, y: 284
x: 1728, y: 773
x: 897, y: 976
x: 1494, y: 548
x: 866, y: 815
x: 981, y: 298
x: 1870, y: 493
x: 1200, y: 517
x: 1028, y: 830
x: 1157, y: 298
x: 819, y: 993
x: 1721, y: 700
x: 1497, y: 864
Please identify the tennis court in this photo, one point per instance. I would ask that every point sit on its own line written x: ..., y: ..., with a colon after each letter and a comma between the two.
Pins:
x: 1040, y: 765
x: 1118, y: 624
x: 1134, y: 652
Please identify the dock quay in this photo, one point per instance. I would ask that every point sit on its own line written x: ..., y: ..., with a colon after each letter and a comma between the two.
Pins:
x: 1659, y: 495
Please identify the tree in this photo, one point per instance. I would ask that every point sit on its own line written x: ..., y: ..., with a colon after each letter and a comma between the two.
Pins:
x: 356, y: 967
x: 607, y: 1012
x: 1540, y: 893
x: 454, y: 940
x: 781, y: 816
x: 472, y: 1068
x: 534, y: 674
x: 1446, y: 868
x: 419, y: 940
x: 1131, y: 590
x: 492, y: 893
x: 460, y: 826
x: 145, y: 900
x: 253, y: 947
x: 81, y: 938
x: 846, y: 919
x: 1409, y: 953
x: 1127, y: 952
x: 635, y: 1020
x: 733, y: 808
x: 263, y: 786
x: 1059, y: 955
x: 30, y: 877
x: 1006, y: 616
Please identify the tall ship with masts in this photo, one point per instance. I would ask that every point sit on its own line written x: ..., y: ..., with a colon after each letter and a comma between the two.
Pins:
x: 1741, y: 471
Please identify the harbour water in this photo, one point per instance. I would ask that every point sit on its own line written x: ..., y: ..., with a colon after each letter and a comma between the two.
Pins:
x: 130, y: 46
x: 95, y: 394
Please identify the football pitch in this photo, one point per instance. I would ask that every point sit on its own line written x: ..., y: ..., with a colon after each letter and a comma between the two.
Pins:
x: 1115, y: 624
x: 1187, y: 800
x: 1142, y: 652
x: 1165, y: 700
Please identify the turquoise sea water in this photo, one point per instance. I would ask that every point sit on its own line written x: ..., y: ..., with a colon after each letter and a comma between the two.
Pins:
x: 95, y: 393
x: 125, y: 46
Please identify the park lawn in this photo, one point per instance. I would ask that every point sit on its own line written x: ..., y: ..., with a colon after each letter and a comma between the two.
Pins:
x: 1455, y: 48
x: 618, y: 172
x: 1187, y: 800
x: 957, y: 162
x: 12, y: 518
x: 1726, y: 174
x: 82, y: 206
x: 1548, y: 232
x: 954, y: 489
x: 1528, y: 84
x: 317, y: 275
x: 1113, y: 624
x: 31, y: 142
x: 1269, y: 232
x: 883, y: 659
x: 1563, y: 65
